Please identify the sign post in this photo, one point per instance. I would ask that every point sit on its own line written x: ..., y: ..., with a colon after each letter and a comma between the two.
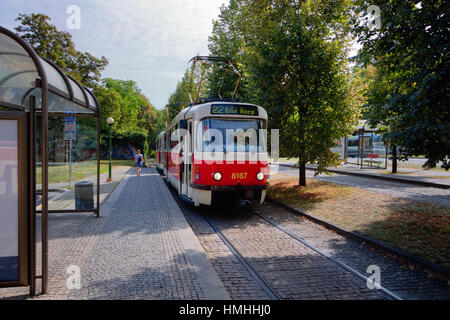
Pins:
x: 70, y: 130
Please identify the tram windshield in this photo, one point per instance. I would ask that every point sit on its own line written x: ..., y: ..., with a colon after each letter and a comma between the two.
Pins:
x: 231, y: 135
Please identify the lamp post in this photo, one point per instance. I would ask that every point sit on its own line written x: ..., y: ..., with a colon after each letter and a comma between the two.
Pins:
x: 110, y: 122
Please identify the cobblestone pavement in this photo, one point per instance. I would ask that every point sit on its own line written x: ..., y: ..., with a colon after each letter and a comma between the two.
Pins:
x: 138, y: 254
x: 293, y: 270
x: 402, y: 190
x: 395, y: 276
x: 135, y: 250
x: 238, y: 282
x: 70, y: 236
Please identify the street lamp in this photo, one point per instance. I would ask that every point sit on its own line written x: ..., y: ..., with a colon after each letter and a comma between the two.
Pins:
x: 110, y: 122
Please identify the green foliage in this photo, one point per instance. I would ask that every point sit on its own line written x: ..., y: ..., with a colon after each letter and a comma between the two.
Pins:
x: 160, y: 124
x: 134, y: 116
x: 134, y: 138
x: 180, y: 98
x: 57, y: 46
x: 186, y: 89
x: 409, y: 94
x: 294, y: 59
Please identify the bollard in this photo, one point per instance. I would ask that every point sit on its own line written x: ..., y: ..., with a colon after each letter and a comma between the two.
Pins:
x: 84, y: 195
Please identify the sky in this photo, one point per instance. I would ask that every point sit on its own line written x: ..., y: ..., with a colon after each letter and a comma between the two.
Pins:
x: 148, y: 41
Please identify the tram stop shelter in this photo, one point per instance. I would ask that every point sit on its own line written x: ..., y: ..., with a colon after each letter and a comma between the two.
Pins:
x: 49, y: 143
x: 366, y: 148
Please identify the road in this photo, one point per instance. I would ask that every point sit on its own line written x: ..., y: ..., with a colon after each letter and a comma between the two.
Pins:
x: 402, y: 190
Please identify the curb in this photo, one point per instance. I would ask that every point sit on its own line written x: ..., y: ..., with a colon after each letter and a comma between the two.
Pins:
x: 430, y: 266
x: 375, y: 176
x: 207, y: 277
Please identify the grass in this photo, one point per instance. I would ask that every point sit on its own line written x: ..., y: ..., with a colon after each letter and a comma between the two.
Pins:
x: 422, y: 229
x: 80, y: 170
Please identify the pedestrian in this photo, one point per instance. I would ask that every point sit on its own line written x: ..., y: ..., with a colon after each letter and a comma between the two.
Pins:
x: 139, y: 159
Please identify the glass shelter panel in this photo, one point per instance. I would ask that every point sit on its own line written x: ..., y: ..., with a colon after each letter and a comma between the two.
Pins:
x: 57, y: 104
x: 54, y: 78
x: 72, y: 153
x: 17, y: 71
x: 77, y: 93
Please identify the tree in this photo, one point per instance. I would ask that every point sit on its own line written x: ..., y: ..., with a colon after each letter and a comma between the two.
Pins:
x: 134, y: 115
x: 180, y: 98
x: 227, y: 40
x: 295, y: 58
x: 57, y: 46
x: 186, y: 89
x: 409, y: 96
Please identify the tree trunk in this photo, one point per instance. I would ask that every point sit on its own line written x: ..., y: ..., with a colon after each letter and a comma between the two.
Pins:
x: 394, y: 158
x: 301, y: 138
x: 302, y: 174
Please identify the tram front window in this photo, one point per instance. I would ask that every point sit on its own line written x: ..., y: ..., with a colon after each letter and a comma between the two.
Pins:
x: 230, y: 135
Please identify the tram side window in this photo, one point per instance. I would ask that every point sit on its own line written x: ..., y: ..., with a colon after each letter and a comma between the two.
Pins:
x: 174, y: 134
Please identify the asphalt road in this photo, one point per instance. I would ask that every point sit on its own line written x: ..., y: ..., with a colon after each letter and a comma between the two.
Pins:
x: 402, y: 190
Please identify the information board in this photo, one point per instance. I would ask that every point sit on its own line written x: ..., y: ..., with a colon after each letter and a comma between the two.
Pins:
x: 70, y: 128
x: 9, y: 201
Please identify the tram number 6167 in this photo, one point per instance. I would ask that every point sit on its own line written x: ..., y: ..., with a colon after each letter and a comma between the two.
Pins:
x: 241, y: 175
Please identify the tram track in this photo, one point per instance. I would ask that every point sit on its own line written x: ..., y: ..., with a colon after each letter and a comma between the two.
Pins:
x: 260, y: 279
x: 341, y: 264
x: 263, y: 283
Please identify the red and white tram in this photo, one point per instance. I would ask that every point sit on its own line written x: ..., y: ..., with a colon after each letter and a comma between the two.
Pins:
x: 216, y: 151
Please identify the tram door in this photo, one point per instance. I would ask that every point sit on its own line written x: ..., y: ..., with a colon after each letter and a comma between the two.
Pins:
x: 186, y: 166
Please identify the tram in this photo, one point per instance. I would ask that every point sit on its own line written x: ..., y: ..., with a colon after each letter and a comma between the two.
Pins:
x: 216, y: 151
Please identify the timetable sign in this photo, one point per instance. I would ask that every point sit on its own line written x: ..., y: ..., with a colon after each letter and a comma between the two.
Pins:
x: 70, y: 128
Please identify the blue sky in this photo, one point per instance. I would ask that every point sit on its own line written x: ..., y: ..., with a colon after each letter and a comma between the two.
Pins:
x: 148, y: 41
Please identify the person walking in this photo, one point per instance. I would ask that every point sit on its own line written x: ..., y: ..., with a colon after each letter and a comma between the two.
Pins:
x: 139, y: 160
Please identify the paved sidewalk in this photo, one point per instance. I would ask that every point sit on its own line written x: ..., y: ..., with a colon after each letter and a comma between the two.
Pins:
x: 140, y: 248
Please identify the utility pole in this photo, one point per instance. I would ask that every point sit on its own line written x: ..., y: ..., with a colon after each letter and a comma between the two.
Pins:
x: 110, y: 122
x: 167, y: 115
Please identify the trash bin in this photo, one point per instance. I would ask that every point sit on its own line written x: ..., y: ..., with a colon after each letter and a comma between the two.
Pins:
x: 84, y: 195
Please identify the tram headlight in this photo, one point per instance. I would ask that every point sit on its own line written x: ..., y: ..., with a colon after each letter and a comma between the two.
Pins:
x: 217, y: 176
x: 260, y: 176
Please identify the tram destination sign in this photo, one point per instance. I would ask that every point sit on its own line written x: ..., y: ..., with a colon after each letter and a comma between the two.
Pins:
x: 234, y: 109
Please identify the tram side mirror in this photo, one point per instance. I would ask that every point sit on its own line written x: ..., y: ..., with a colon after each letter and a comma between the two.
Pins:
x: 183, y: 124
